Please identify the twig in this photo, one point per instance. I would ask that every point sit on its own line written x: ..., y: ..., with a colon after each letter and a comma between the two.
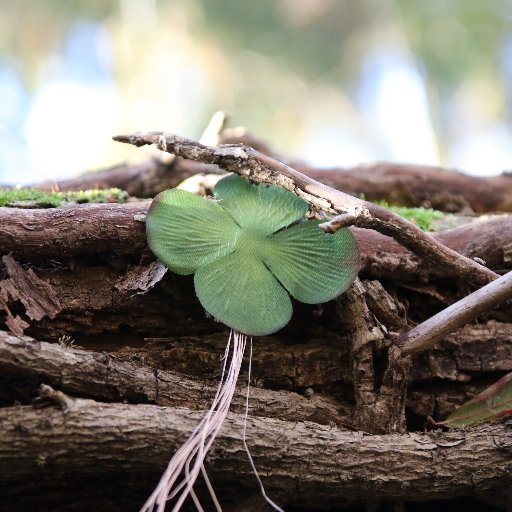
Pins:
x: 48, y: 394
x: 260, y: 168
x: 425, y: 335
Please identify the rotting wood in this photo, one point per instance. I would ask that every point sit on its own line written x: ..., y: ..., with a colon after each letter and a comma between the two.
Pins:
x: 25, y: 363
x: 37, y: 296
x: 155, y: 373
x: 301, y: 463
x: 364, y: 336
x: 141, y: 278
x: 380, y: 393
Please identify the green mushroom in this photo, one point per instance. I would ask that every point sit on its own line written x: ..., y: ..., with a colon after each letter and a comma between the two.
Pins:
x: 250, y: 249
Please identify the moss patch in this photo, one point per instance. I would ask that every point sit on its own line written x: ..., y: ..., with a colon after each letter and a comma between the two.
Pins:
x: 423, y: 217
x: 33, y: 198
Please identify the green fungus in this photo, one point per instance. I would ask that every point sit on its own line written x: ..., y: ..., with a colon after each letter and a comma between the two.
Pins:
x: 250, y: 249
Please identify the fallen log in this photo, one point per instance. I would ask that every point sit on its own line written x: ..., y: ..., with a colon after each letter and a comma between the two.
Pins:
x: 36, y: 234
x: 301, y: 464
x: 26, y: 363
x: 403, y: 184
x: 118, y: 229
x: 420, y: 185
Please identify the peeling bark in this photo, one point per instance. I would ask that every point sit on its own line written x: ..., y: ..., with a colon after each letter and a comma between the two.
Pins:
x: 38, y: 297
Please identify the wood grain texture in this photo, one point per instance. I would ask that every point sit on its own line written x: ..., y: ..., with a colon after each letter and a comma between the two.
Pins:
x: 184, y: 371
x: 78, y: 229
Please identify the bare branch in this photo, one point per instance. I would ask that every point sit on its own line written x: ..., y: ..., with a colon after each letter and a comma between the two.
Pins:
x: 264, y: 169
x: 425, y: 335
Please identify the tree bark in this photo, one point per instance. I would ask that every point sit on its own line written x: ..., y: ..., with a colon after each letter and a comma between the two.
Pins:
x: 418, y: 185
x: 118, y: 230
x: 77, y: 229
x: 25, y: 363
x: 441, y: 379
x: 301, y: 463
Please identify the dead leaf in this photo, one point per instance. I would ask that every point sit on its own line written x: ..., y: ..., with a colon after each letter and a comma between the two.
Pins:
x: 492, y: 403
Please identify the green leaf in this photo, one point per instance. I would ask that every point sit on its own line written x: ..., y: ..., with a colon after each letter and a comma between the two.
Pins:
x: 259, y: 208
x: 186, y: 231
x: 239, y: 291
x: 492, y: 403
x: 313, y: 266
x: 243, y: 259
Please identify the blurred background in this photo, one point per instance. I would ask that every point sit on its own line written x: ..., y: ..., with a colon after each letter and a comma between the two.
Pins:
x: 331, y: 82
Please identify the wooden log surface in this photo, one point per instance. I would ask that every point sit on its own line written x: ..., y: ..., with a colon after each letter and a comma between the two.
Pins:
x: 184, y: 371
x: 87, y: 253
x: 301, y: 463
x: 420, y: 185
x: 118, y: 229
x: 25, y: 363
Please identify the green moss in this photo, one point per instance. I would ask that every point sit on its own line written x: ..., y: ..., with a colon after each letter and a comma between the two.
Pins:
x: 109, y: 195
x: 33, y: 198
x: 10, y: 197
x: 422, y: 217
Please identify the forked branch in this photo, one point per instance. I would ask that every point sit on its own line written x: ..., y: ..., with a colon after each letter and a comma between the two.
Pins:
x: 349, y: 210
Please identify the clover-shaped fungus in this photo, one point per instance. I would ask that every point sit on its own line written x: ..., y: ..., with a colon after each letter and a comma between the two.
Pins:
x: 250, y: 248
